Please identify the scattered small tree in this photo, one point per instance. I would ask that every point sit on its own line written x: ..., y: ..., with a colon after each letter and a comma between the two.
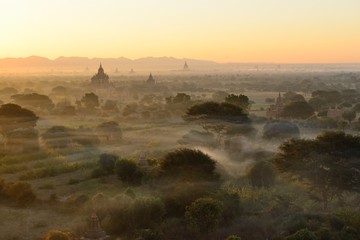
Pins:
x: 128, y: 171
x: 204, y: 215
x: 188, y: 165
x: 328, y: 164
x: 90, y: 100
x: 107, y: 162
x: 240, y: 100
x: 349, y: 115
x: 262, y: 174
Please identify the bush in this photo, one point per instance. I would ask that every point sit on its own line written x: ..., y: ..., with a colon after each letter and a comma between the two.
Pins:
x: 303, y: 234
x: 280, y: 130
x: 188, y: 165
x: 233, y: 237
x: 59, y: 235
x: 18, y: 192
x: 204, y: 215
x: 262, y: 174
x: 107, y: 162
x: 98, y: 172
x: 128, y: 172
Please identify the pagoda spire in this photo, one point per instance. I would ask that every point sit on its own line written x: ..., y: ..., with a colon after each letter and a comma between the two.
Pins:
x: 186, y: 67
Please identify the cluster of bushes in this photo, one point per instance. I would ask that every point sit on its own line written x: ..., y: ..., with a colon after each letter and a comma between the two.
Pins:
x: 54, y: 170
x: 126, y: 170
x: 19, y: 193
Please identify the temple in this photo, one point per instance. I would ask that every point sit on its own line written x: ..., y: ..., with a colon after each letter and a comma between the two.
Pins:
x: 95, y: 232
x: 186, y: 67
x: 275, y: 110
x: 150, y: 80
x: 101, y: 78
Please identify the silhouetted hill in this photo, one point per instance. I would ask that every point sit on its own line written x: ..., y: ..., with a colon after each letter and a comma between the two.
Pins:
x: 110, y: 64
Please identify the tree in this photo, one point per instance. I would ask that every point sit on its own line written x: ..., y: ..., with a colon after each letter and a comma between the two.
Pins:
x: 109, y: 132
x: 59, y: 235
x: 303, y: 234
x: 14, y: 117
x: 317, y: 103
x: 23, y: 140
x: 356, y: 108
x: 188, y: 165
x: 328, y: 165
x: 107, y: 162
x: 59, y: 90
x: 181, y: 98
x: 297, y: 110
x: 110, y: 105
x: 218, y: 110
x: 262, y: 174
x: 241, y: 101
x: 349, y: 115
x: 90, y: 100
x: 280, y: 130
x: 128, y: 171
x: 34, y: 100
x: 204, y: 214
x: 219, y: 96
x: 57, y: 137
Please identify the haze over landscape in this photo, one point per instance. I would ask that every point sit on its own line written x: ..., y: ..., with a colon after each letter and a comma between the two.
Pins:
x: 179, y: 120
x: 309, y: 31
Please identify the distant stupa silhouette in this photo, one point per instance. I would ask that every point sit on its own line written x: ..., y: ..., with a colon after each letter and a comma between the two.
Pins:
x: 150, y: 80
x: 132, y: 71
x: 100, y: 78
x: 186, y: 67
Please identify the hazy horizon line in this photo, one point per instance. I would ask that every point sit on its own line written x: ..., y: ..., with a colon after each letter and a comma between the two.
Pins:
x: 181, y: 58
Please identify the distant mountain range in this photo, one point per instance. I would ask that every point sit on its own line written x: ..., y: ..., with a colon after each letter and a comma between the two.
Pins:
x: 148, y: 64
x: 109, y: 64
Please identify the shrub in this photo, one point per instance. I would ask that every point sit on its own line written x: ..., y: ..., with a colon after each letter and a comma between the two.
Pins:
x: 128, y: 172
x: 303, y: 234
x: 188, y: 165
x: 59, y: 235
x: 262, y: 174
x: 204, y: 214
x: 107, y: 162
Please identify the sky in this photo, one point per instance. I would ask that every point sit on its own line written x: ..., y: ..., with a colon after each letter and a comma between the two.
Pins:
x: 283, y: 31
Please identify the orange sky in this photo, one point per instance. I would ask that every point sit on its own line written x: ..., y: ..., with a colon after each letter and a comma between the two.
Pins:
x: 224, y: 31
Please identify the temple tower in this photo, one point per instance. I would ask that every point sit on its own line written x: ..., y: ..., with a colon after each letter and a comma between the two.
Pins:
x: 94, y: 231
x: 150, y: 80
x: 100, y: 78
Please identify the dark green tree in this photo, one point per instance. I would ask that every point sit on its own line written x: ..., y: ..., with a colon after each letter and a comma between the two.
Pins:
x: 262, y: 174
x: 90, y: 100
x: 128, y: 171
x: 107, y: 162
x: 328, y: 165
x: 226, y: 111
x: 188, y: 165
x: 34, y: 100
x: 297, y: 110
x: 57, y: 137
x: 349, y: 115
x: 240, y: 100
x: 14, y: 117
x: 204, y: 215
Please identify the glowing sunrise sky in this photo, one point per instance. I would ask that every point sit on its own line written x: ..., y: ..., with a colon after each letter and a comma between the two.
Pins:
x: 221, y: 30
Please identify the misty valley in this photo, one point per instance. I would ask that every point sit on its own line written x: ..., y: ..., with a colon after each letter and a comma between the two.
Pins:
x: 250, y: 153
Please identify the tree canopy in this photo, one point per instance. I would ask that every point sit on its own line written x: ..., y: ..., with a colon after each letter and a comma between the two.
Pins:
x: 34, y: 100
x: 13, y: 116
x: 218, y: 110
x: 240, y: 100
x: 328, y: 164
x: 188, y: 165
x: 90, y: 100
x: 297, y: 110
